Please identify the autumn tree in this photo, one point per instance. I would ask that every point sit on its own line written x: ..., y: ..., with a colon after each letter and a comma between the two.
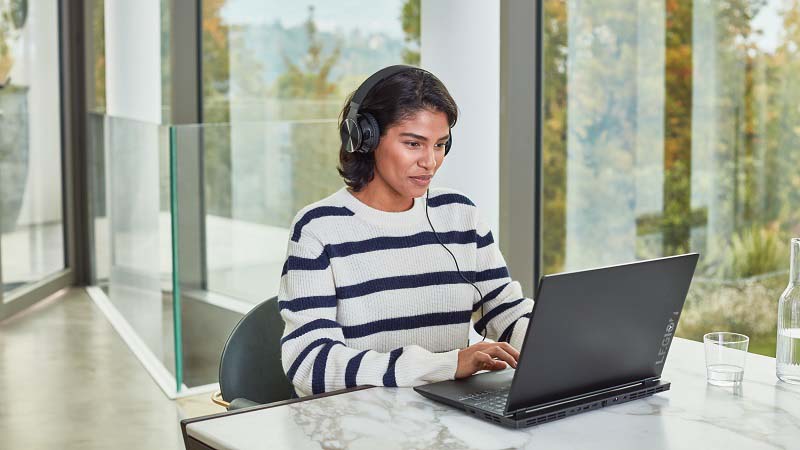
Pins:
x: 409, y: 18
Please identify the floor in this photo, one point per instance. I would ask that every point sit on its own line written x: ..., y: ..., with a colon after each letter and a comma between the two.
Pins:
x: 206, y: 328
x: 68, y: 381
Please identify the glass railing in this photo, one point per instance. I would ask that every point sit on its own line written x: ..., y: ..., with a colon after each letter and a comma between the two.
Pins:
x: 191, y: 224
x: 230, y: 240
x: 129, y: 177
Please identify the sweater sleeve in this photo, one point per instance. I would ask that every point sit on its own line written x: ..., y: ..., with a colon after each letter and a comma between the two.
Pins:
x: 506, y: 311
x: 315, y: 355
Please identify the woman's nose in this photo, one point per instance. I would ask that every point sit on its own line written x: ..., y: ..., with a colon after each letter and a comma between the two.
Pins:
x: 428, y: 160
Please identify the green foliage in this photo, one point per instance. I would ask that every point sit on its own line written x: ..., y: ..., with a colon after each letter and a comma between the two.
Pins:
x: 411, y: 27
x: 8, y: 31
x: 755, y: 251
x: 98, y: 55
x: 308, y: 93
x: 309, y: 78
x: 216, y: 63
x: 554, y: 139
x: 747, y: 307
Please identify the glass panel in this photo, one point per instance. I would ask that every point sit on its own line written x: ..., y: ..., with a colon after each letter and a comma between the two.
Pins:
x: 138, y: 225
x: 244, y: 249
x: 98, y: 204
x: 275, y: 76
x: 31, y: 221
x: 671, y: 127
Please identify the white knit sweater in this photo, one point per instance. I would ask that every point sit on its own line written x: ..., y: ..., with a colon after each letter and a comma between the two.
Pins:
x: 370, y: 297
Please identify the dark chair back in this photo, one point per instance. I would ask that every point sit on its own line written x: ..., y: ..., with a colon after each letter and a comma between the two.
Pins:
x: 250, y: 366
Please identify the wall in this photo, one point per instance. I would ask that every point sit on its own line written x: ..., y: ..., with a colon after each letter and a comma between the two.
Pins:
x: 461, y: 45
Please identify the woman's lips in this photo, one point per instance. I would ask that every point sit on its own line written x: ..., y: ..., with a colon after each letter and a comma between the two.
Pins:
x: 422, y: 180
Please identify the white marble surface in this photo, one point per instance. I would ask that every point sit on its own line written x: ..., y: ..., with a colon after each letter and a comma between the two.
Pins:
x: 763, y: 414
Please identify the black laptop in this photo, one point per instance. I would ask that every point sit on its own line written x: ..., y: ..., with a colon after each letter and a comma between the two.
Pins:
x: 596, y: 338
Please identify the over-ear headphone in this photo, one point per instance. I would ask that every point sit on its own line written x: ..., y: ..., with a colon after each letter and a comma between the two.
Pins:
x: 360, y: 132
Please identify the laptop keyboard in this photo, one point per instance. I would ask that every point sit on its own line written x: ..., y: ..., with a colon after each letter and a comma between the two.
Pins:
x: 493, y: 401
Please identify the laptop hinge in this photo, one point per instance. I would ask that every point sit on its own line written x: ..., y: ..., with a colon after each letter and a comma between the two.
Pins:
x: 523, y: 413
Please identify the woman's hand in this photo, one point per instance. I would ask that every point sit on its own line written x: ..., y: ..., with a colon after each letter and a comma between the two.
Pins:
x: 485, y: 356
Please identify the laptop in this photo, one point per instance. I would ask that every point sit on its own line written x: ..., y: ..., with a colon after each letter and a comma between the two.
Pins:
x: 596, y: 338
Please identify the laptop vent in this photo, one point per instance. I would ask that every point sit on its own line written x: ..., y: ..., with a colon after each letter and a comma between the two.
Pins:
x: 648, y: 392
x: 547, y: 418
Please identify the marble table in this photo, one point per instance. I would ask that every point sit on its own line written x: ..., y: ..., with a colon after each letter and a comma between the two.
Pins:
x: 763, y: 413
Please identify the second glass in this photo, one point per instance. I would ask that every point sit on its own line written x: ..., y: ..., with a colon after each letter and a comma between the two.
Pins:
x: 725, y: 357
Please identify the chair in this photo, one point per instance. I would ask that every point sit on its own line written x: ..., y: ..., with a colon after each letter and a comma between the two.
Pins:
x: 250, y: 371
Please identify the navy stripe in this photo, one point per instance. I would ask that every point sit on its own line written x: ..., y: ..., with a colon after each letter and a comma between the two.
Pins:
x: 389, y: 379
x: 303, y: 303
x: 302, y: 355
x: 310, y: 326
x: 489, y: 297
x: 485, y: 241
x: 318, y: 373
x: 447, y: 199
x: 380, y: 243
x: 481, y: 324
x: 316, y: 213
x: 418, y: 280
x: 401, y: 282
x: 506, y: 336
x: 321, y: 262
x: 395, y: 242
x: 406, y: 323
x: 492, y: 274
x: 351, y: 371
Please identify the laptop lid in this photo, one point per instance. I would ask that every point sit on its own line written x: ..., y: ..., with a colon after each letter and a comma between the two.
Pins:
x: 596, y: 329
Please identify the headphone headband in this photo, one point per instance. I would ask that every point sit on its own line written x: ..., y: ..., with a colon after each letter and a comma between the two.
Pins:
x: 371, y: 82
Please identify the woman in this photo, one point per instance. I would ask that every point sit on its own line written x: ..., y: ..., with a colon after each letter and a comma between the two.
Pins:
x: 370, y: 293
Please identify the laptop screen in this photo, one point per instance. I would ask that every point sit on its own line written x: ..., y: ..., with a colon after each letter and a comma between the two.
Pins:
x: 597, y: 329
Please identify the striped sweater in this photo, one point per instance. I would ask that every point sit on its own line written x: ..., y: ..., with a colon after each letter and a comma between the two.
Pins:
x: 370, y: 297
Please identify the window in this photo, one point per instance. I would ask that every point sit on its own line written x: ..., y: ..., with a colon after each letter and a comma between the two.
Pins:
x: 671, y: 127
x: 31, y: 222
x: 277, y: 74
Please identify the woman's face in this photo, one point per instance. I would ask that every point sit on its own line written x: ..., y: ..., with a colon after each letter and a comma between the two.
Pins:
x: 410, y: 153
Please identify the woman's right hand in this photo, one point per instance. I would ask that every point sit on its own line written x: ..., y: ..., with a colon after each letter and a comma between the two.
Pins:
x: 485, y: 356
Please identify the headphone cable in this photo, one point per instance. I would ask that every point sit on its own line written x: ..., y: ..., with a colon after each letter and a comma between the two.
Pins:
x: 436, y: 235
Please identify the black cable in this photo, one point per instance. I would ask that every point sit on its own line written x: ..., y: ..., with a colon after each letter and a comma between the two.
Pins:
x: 435, y: 234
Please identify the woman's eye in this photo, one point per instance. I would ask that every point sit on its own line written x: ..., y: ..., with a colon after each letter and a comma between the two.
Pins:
x: 413, y: 144
x: 441, y: 144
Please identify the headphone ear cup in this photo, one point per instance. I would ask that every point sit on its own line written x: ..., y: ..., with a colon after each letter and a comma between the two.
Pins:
x: 350, y: 135
x: 370, y: 132
x: 448, y: 144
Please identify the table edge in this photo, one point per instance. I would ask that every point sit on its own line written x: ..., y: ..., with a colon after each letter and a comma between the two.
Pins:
x: 192, y: 420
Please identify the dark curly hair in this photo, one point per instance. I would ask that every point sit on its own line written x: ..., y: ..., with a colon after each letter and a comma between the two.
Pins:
x: 391, y: 101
